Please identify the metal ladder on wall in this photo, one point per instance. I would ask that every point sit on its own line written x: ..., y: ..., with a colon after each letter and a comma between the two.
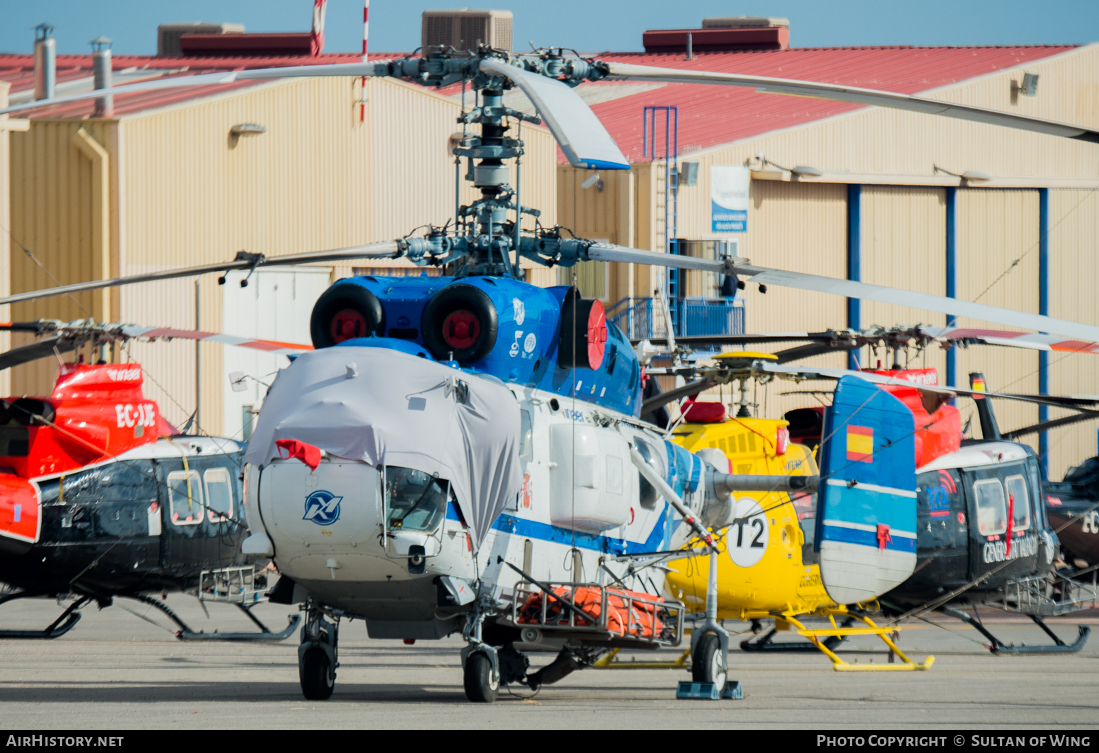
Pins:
x: 667, y: 183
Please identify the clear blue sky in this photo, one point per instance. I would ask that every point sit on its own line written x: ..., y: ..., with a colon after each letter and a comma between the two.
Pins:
x: 588, y: 25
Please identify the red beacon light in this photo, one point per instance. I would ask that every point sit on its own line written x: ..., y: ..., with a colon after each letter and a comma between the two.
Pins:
x: 782, y: 440
x: 597, y: 334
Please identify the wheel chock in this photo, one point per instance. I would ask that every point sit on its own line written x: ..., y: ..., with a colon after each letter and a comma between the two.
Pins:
x: 707, y: 691
x: 704, y: 691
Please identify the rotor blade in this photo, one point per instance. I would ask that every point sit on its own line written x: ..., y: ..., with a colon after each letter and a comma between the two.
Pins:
x: 776, y: 337
x: 812, y: 372
x: 1010, y: 339
x: 813, y: 349
x: 357, y: 70
x: 19, y: 326
x: 578, y: 131
x: 723, y: 374
x: 847, y: 288
x: 386, y: 249
x: 855, y: 95
x: 1052, y: 424
x: 34, y: 351
x: 269, y: 346
x: 666, y: 397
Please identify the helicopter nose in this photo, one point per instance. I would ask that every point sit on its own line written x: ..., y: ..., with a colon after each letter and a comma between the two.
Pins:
x: 382, y: 407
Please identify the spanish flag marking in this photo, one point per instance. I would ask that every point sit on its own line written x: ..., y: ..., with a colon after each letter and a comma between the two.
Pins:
x: 860, y: 444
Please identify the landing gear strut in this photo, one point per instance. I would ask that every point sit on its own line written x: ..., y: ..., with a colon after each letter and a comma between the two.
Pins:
x: 317, y: 655
x: 55, y: 629
x: 710, y: 641
x: 480, y: 662
x: 185, y: 633
x: 1001, y: 649
x: 767, y: 642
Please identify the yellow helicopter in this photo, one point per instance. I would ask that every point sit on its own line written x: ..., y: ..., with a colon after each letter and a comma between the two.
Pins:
x: 767, y: 568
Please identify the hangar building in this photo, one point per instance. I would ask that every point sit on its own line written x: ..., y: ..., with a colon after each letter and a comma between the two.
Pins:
x: 175, y: 179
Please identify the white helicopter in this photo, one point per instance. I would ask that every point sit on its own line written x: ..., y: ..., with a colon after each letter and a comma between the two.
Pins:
x: 463, y: 454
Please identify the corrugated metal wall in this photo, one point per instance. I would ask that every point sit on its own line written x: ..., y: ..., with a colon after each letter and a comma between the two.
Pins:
x: 995, y: 228
x: 5, y: 229
x: 604, y: 212
x: 1073, y: 276
x: 414, y: 169
x: 904, y: 246
x: 803, y: 227
x: 53, y: 207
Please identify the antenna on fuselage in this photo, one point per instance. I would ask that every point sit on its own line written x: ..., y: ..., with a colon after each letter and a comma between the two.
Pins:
x: 989, y: 428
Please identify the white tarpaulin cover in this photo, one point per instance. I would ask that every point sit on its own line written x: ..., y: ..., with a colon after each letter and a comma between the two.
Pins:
x: 385, y: 407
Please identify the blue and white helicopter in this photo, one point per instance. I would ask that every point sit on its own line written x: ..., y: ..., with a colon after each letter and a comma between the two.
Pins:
x: 464, y: 454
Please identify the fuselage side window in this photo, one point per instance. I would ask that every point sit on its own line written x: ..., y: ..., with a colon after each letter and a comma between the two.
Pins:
x: 991, y: 507
x: 186, y: 501
x: 219, y: 494
x: 1019, y: 501
x: 1035, y: 486
x: 526, y: 435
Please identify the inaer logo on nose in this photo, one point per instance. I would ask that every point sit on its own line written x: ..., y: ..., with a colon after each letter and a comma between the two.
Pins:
x: 323, y: 508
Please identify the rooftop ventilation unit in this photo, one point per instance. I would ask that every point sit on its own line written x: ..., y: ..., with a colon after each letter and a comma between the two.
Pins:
x: 463, y: 29
x: 722, y: 35
x: 45, y: 62
x: 745, y: 22
x: 167, y: 35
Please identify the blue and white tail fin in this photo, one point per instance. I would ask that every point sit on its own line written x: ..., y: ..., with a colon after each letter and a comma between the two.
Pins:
x: 866, y: 516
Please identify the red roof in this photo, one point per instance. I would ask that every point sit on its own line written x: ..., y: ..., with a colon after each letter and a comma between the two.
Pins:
x: 711, y: 115
x: 708, y: 115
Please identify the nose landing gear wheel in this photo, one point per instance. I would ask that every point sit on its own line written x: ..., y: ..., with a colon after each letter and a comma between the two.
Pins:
x: 708, y: 662
x: 481, y: 685
x: 317, y: 675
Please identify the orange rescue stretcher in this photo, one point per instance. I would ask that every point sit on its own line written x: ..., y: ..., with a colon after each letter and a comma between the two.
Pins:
x: 618, y: 612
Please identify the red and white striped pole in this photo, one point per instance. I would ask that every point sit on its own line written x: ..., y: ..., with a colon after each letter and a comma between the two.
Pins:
x: 366, y: 29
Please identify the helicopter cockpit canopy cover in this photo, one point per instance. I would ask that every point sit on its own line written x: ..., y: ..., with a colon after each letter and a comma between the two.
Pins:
x: 384, y: 407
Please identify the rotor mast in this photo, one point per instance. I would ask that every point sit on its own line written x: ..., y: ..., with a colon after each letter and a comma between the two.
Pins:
x: 485, y: 240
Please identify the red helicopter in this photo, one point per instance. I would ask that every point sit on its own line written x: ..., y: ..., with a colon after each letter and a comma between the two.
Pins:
x: 100, y: 497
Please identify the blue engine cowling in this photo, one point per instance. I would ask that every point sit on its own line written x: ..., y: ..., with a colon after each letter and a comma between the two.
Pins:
x: 493, y: 325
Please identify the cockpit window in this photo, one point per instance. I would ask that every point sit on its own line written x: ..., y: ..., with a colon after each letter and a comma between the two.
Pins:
x: 414, y: 500
x: 806, y: 506
x: 1019, y: 501
x: 991, y: 507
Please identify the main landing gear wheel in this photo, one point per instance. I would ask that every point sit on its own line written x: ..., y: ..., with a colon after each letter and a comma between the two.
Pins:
x: 481, y: 685
x: 708, y: 663
x: 317, y: 675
